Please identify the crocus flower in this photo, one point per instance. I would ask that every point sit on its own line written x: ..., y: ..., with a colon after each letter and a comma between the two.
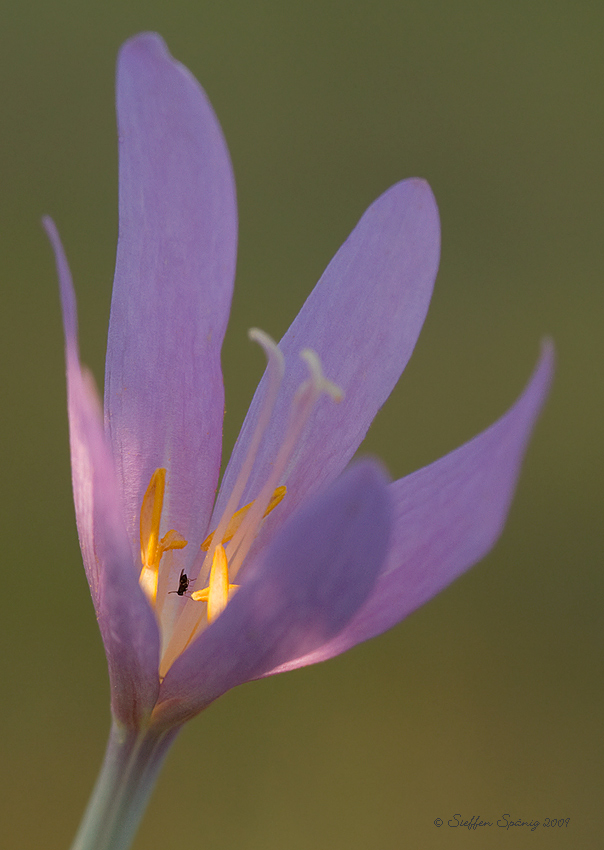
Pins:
x: 297, y: 558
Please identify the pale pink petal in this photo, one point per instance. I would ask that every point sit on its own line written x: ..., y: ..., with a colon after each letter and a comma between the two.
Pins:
x: 127, y: 624
x: 363, y: 319
x: 447, y: 516
x: 164, y: 396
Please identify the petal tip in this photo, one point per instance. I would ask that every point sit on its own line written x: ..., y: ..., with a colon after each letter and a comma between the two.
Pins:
x: 548, y: 353
x: 417, y: 187
x: 542, y: 378
x: 415, y: 201
x: 370, y: 471
x: 149, y: 41
x: 142, y: 49
x: 48, y: 225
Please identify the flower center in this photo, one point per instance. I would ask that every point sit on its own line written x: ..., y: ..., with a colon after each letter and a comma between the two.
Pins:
x: 228, y: 545
x: 219, y: 590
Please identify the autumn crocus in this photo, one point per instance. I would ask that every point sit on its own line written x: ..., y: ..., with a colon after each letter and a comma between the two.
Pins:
x: 297, y: 558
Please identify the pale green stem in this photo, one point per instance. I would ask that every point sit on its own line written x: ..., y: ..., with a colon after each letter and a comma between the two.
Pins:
x: 132, y: 763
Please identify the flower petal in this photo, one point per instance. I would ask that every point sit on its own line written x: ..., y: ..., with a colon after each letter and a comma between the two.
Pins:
x: 363, y: 319
x: 127, y: 624
x: 164, y: 395
x: 447, y: 516
x: 315, y: 574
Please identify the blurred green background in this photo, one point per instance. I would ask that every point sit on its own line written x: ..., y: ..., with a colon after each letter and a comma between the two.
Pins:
x: 489, y: 699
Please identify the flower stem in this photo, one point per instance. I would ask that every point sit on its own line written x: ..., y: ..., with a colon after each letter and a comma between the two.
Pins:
x: 132, y: 763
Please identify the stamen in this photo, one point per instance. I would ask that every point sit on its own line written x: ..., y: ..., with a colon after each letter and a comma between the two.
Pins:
x: 238, y: 528
x: 239, y: 516
x: 151, y: 508
x: 219, y: 590
x: 171, y: 540
x: 152, y: 549
x: 276, y: 368
x: 302, y: 406
x: 191, y: 618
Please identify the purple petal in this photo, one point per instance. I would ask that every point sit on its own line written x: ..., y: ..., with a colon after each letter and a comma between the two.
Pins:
x: 127, y: 624
x: 446, y: 517
x: 164, y: 396
x: 363, y: 319
x: 313, y: 578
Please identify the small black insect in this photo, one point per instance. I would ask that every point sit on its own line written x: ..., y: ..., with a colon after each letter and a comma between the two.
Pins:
x: 183, y: 584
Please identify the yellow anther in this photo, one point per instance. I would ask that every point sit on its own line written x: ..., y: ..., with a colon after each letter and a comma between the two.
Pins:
x: 171, y: 540
x: 239, y: 516
x: 151, y: 508
x: 219, y: 591
x: 152, y: 548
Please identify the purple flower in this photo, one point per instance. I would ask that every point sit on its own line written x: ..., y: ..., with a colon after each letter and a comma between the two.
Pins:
x: 297, y: 560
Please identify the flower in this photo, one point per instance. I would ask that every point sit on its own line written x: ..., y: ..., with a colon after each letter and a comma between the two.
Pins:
x: 297, y: 560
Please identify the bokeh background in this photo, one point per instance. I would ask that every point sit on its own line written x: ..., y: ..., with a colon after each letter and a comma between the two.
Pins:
x: 489, y: 699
